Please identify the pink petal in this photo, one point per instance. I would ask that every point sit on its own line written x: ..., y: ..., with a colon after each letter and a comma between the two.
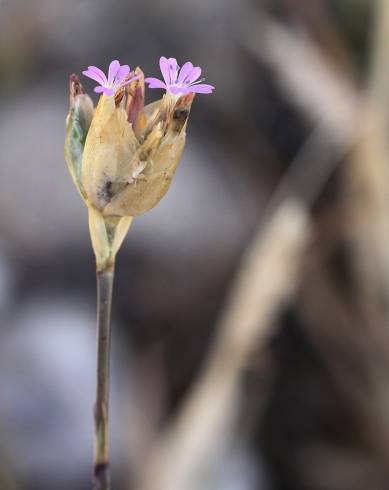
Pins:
x: 136, y: 77
x: 123, y: 71
x: 96, y: 70
x: 95, y: 74
x: 106, y: 90
x: 164, y: 66
x: 185, y: 70
x: 178, y: 90
x: 113, y: 70
x: 201, y: 88
x: 155, y: 83
x: 173, y: 70
x: 193, y: 75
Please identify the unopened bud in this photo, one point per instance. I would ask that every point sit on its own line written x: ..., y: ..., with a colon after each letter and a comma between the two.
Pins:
x: 77, y: 126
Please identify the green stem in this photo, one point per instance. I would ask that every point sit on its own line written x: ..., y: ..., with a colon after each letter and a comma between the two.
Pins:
x: 105, y: 277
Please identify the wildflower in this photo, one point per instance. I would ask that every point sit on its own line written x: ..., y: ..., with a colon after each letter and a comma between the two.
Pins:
x: 117, y: 77
x: 122, y: 154
x: 179, y: 81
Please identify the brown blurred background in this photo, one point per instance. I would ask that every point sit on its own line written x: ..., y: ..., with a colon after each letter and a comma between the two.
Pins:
x: 251, y: 343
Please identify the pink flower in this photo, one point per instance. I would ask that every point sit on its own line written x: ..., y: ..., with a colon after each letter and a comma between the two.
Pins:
x: 117, y: 77
x: 178, y: 81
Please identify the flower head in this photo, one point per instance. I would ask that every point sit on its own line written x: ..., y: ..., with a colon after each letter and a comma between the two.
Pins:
x: 179, y: 81
x: 118, y: 77
x: 122, y: 155
x: 123, y: 158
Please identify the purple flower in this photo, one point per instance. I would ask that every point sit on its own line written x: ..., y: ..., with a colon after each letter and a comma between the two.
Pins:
x: 117, y: 77
x: 178, y: 81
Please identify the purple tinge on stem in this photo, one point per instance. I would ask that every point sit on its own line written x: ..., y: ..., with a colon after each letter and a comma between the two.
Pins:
x: 117, y: 77
x: 179, y: 81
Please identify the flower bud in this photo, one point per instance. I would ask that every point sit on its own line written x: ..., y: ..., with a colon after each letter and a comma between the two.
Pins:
x: 77, y: 126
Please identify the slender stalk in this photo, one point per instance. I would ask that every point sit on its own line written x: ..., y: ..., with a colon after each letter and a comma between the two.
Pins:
x: 101, y: 479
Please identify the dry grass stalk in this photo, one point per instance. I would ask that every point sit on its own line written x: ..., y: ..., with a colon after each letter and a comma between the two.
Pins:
x: 266, y: 279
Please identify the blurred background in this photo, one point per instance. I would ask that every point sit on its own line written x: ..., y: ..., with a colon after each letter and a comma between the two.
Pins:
x: 250, y: 312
